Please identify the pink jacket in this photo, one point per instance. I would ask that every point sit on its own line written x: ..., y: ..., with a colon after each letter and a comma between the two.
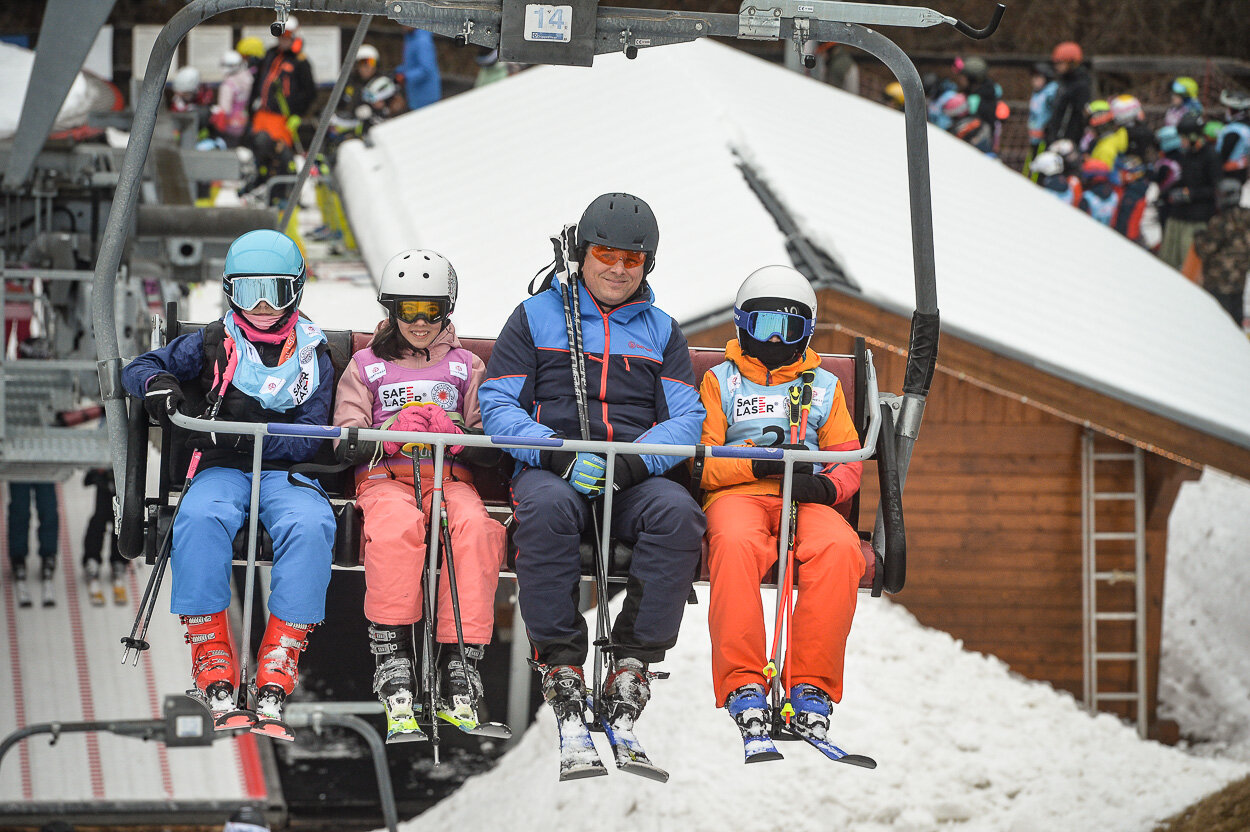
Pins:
x: 354, y: 402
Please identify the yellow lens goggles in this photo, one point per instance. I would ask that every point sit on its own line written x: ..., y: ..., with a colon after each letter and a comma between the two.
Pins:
x: 410, y: 311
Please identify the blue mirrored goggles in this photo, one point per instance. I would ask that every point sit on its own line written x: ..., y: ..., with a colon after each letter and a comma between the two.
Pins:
x: 763, y: 325
x: 246, y: 292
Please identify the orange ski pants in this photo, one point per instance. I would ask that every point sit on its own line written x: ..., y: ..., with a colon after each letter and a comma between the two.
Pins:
x: 742, y: 547
x: 396, y: 535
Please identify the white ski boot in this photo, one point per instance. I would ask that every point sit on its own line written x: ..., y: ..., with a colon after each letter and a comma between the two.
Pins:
x: 21, y: 589
x: 47, y: 586
x: 94, y: 590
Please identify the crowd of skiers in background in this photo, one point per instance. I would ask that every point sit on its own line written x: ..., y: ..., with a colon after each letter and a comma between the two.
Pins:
x: 1176, y: 189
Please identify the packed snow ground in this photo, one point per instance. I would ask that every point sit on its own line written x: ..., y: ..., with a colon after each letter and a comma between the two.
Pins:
x: 960, y: 740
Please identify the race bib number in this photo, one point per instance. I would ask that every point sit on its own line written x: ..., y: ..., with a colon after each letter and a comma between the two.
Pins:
x: 759, y: 407
x: 548, y: 23
x: 396, y: 395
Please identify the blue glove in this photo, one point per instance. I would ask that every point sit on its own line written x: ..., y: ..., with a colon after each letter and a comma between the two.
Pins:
x: 586, y: 474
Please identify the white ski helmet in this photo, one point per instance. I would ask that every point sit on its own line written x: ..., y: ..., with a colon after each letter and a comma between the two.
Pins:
x: 367, y: 52
x: 1047, y: 163
x: 379, y: 89
x: 418, y: 273
x: 231, y: 61
x: 775, y: 289
x: 186, y: 80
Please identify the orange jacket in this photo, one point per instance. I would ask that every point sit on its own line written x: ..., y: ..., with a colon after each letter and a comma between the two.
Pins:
x: 734, y: 476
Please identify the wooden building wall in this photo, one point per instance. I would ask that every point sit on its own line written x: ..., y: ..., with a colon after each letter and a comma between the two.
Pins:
x: 993, y: 510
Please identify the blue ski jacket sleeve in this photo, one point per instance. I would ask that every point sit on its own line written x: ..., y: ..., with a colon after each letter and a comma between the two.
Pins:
x: 184, y: 359
x: 639, y: 379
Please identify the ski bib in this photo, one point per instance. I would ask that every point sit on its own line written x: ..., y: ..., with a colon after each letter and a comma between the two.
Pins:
x: 445, y: 384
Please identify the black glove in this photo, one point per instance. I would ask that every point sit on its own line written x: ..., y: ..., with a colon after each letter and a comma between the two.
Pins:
x: 557, y: 462
x: 238, y: 442
x: 628, y: 471
x: 761, y: 468
x: 813, y: 488
x: 1179, y: 196
x: 163, y: 396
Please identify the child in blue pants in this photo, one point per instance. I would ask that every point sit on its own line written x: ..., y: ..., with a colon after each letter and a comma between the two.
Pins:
x: 261, y: 362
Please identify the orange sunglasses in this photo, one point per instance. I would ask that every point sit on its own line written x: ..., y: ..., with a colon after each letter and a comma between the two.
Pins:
x: 611, y: 256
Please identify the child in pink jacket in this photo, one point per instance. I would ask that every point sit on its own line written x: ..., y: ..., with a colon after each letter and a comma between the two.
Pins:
x: 415, y: 376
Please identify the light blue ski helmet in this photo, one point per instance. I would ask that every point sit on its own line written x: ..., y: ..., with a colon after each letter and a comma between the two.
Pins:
x: 1169, y: 138
x: 264, y: 252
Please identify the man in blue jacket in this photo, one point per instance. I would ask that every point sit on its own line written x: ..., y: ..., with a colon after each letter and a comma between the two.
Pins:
x: 639, y: 388
x: 262, y: 362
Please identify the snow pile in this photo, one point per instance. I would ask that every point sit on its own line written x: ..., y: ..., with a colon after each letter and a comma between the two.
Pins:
x: 958, y: 739
x: 1205, y: 679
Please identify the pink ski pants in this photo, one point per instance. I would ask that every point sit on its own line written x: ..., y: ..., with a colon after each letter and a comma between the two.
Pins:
x: 396, y: 535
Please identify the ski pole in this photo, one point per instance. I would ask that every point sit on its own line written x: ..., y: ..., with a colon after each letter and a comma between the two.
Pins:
x: 445, y: 531
x: 249, y: 577
x: 429, y: 581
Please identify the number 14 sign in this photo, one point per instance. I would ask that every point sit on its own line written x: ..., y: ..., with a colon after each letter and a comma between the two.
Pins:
x: 548, y: 23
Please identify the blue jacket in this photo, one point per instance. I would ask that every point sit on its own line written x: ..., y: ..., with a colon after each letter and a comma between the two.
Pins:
x: 644, y: 391
x: 422, y: 83
x: 190, y: 360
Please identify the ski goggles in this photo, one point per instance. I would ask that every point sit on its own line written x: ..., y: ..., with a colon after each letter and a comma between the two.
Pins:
x: 763, y: 325
x: 279, y: 291
x: 611, y: 256
x: 411, y: 311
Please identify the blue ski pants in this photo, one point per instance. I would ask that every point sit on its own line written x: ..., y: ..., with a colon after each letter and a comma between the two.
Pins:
x: 299, y: 522
x: 19, y: 520
x: 658, y: 516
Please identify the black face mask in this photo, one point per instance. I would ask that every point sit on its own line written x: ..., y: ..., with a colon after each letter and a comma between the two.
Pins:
x: 772, y: 354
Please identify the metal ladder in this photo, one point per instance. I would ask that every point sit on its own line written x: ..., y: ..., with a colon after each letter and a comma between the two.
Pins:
x: 1093, y: 461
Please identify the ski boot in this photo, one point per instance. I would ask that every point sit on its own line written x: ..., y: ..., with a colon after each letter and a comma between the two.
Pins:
x: 20, y: 588
x: 626, y: 692
x: 277, y: 674
x: 47, y: 571
x: 394, y: 680
x: 748, y: 705
x: 117, y: 574
x: 461, y: 695
x: 460, y: 689
x: 564, y: 688
x: 95, y: 592
x: 810, y: 722
x: 212, y: 667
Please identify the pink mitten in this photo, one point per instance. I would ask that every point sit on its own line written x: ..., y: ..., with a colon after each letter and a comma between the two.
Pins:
x: 409, y: 418
x: 440, y: 422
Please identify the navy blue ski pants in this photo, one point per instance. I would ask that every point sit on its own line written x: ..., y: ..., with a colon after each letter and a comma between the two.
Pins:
x: 20, y: 494
x: 658, y: 516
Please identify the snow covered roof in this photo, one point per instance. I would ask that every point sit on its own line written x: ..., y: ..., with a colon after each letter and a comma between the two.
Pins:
x: 487, y: 176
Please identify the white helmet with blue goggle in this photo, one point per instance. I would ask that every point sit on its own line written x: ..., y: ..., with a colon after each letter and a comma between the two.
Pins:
x: 264, y: 266
x: 775, y: 313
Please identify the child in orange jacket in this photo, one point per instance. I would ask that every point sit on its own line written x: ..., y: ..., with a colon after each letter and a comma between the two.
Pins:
x: 746, y: 399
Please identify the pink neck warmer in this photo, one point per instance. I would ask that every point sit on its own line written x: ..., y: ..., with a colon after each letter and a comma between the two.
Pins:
x: 254, y: 326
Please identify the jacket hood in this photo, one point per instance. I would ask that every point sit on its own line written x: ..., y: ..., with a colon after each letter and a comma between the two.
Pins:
x: 755, y: 370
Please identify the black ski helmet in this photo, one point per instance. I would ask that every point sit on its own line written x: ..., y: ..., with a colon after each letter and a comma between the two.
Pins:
x: 620, y: 221
x: 1191, y: 125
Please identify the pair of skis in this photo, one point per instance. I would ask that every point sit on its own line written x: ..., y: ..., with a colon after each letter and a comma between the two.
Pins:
x: 579, y: 759
x: 758, y: 747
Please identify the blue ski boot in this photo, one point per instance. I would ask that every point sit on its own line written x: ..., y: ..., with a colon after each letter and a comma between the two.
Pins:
x: 748, y: 705
x: 810, y: 722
